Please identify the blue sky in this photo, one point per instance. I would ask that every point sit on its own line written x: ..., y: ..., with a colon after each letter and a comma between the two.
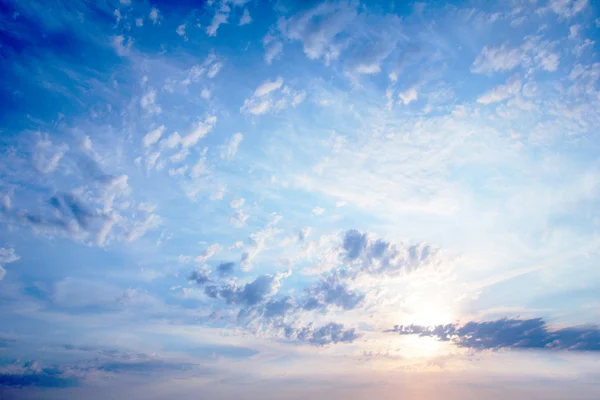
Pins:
x: 299, y: 199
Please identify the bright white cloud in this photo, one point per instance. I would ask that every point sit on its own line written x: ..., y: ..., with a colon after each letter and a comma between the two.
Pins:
x: 153, y: 136
x: 268, y: 86
x: 408, y: 96
x: 148, y: 103
x: 502, y: 92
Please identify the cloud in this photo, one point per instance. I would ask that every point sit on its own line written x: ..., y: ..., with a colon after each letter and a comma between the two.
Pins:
x: 154, y: 15
x: 319, y: 29
x: 273, y: 49
x: 31, y: 374
x: 181, y: 30
x: 207, y: 253
x: 245, y: 19
x: 221, y: 17
x: 199, y: 277
x: 510, y: 334
x: 153, y: 136
x: 268, y: 86
x: 47, y: 155
x: 303, y: 234
x: 496, y: 59
x: 200, y: 130
x: 148, y: 103
x: 230, y: 148
x: 251, y: 293
x: 258, y: 242
x: 7, y: 255
x: 364, y: 254
x: 567, y: 8
x: 272, y: 95
x: 121, y: 44
x: 318, y: 211
x: 225, y: 268
x: 408, y: 96
x: 239, y: 217
x: 324, y: 335
x: 502, y: 92
x: 331, y: 291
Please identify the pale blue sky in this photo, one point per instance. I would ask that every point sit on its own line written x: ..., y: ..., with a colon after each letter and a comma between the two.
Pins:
x: 299, y: 199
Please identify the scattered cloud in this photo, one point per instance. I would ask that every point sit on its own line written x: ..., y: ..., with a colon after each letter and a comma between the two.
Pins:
x: 511, y: 334
x: 497, y: 59
x: 245, y: 19
x: 230, y: 148
x: 502, y: 92
x: 7, y: 255
x: 154, y: 15
x: 408, y: 96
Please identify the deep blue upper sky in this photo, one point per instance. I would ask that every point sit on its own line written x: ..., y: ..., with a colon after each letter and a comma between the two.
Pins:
x: 299, y: 199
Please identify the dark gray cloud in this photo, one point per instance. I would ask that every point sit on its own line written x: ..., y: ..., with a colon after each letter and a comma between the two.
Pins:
x: 510, y: 333
x: 31, y: 374
x: 70, y: 206
x: 331, y: 291
x: 225, y: 268
x: 324, y: 335
x: 250, y: 294
x: 200, y: 277
x: 364, y: 254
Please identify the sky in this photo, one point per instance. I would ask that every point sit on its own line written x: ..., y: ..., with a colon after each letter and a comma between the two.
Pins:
x: 294, y: 199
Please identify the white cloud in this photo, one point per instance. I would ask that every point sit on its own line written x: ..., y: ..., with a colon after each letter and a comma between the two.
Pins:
x: 140, y: 227
x: 139, y: 22
x: 208, y: 253
x: 47, y: 155
x: 245, y: 19
x: 567, y: 8
x: 7, y: 255
x: 501, y: 92
x: 495, y: 59
x: 218, y: 193
x: 318, y: 29
x: 268, y: 86
x: 148, y: 102
x: 299, y: 98
x: 154, y: 15
x: 221, y: 17
x: 547, y: 60
x: 236, y: 204
x: 181, y: 30
x: 408, y: 95
x: 229, y: 150
x: 318, y: 210
x: 239, y: 218
x: 272, y: 95
x: 121, y: 44
x: 256, y: 108
x: 272, y: 51
x: 258, y: 242
x: 117, y: 15
x: 200, y: 130
x: 214, y: 69
x: 205, y: 94
x: 153, y: 136
x: 199, y: 168
x: 574, y: 31
x: 172, y: 141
